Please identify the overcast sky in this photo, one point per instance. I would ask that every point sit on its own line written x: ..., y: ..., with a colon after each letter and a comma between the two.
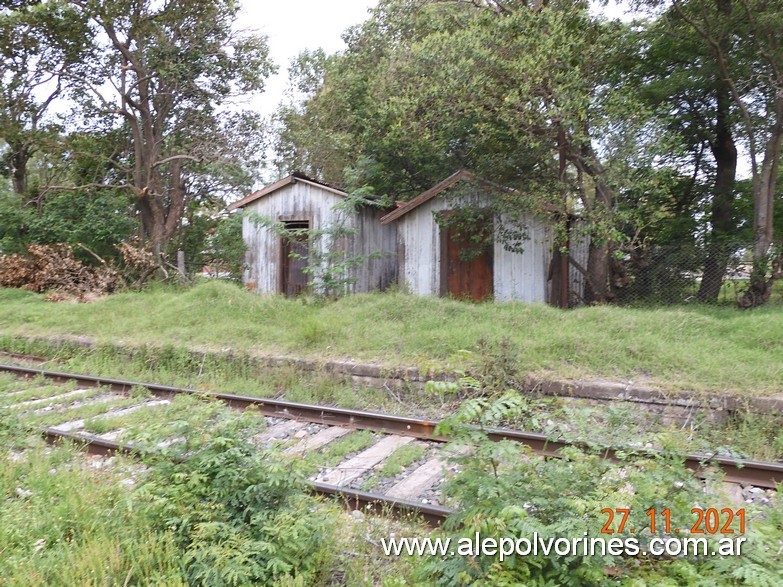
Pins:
x: 294, y: 25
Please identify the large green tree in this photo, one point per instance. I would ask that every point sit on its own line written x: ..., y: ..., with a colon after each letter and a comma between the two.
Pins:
x: 39, y: 43
x: 357, y: 114
x: 164, y: 73
x: 677, y: 74
x: 744, y: 42
x: 151, y: 137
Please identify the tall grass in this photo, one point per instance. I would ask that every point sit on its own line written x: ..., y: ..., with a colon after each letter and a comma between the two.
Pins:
x: 717, y: 349
x: 63, y: 522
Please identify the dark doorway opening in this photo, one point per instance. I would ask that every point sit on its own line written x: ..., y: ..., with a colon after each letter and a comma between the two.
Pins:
x: 467, y: 273
x: 295, y: 252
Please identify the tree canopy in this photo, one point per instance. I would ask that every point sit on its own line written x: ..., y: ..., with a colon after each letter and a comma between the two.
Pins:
x: 148, y: 89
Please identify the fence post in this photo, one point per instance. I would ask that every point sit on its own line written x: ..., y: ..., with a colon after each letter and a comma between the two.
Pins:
x: 181, y: 266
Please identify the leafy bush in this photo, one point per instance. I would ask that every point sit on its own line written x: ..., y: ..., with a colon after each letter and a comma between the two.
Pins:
x: 95, y: 219
x: 225, y: 247
x: 240, y: 515
x: 506, y: 492
x: 64, y: 521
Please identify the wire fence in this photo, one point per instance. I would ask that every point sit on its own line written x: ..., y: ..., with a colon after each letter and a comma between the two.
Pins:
x: 677, y: 274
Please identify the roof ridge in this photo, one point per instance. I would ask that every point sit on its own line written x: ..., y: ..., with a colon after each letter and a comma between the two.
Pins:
x: 281, y: 183
x: 437, y: 189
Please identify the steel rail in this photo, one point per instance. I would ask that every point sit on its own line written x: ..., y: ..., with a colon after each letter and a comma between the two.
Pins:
x: 760, y: 474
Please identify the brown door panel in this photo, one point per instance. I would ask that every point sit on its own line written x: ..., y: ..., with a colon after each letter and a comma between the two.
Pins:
x: 471, y: 278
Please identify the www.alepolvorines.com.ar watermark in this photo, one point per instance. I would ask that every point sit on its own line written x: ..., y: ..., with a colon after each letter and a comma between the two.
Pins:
x: 584, y: 546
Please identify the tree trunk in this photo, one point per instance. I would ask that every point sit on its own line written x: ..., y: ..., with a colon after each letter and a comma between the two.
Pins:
x: 177, y: 200
x: 20, y: 176
x: 597, y: 288
x: 157, y: 179
x: 19, y: 159
x: 714, y: 271
x: 761, y: 281
x: 160, y: 221
x: 724, y: 151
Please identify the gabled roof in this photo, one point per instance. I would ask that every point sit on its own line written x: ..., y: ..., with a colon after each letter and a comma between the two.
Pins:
x: 273, y: 187
x: 461, y: 175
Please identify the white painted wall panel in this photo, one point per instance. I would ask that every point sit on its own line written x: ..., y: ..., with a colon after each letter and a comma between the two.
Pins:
x: 418, y: 235
x: 523, y: 276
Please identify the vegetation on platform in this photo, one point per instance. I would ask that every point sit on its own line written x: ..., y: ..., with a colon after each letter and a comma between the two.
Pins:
x: 719, y: 350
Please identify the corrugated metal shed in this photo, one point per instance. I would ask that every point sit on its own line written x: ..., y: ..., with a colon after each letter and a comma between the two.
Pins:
x: 303, y: 203
x: 427, y: 264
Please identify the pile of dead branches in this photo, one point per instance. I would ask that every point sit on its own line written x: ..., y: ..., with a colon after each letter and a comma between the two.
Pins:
x: 139, y: 262
x: 53, y: 268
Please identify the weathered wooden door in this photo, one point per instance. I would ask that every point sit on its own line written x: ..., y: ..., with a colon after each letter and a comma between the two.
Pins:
x: 467, y: 273
x: 294, y: 256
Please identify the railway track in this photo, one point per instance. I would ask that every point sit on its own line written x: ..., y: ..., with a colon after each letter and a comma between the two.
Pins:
x: 306, y: 429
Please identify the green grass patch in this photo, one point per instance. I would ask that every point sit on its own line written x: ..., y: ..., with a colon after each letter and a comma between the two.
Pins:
x: 151, y: 425
x: 744, y: 434
x: 401, y: 458
x: 63, y: 522
x: 335, y: 452
x: 51, y: 397
x: 82, y: 412
x: 99, y: 426
x: 716, y: 349
x: 235, y: 373
x: 226, y: 514
x: 750, y: 434
x: 10, y: 383
x: 41, y: 391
